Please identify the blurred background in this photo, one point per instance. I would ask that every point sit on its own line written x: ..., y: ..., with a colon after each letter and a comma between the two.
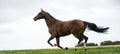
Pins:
x: 19, y: 31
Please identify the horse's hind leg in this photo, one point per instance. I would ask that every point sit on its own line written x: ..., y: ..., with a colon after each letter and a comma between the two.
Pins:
x: 86, y: 38
x: 80, y: 39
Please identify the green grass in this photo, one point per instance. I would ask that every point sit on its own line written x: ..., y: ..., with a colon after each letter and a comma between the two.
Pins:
x: 98, y: 50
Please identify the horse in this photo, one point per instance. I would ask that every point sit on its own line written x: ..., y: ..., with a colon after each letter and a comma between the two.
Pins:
x: 59, y: 28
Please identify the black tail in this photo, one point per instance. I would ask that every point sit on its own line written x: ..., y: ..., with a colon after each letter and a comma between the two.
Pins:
x: 94, y: 27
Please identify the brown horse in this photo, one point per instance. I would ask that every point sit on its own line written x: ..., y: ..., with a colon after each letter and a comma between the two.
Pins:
x: 59, y: 28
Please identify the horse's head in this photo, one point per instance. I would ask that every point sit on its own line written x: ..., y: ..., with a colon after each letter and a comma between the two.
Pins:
x: 40, y: 15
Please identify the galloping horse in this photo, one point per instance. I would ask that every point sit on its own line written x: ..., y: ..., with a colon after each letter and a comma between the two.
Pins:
x: 59, y: 28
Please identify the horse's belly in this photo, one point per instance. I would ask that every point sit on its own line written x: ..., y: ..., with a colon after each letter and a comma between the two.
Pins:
x: 64, y: 33
x: 64, y: 29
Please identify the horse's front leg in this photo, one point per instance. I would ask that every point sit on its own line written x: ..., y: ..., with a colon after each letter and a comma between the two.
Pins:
x: 58, y: 41
x: 51, y: 37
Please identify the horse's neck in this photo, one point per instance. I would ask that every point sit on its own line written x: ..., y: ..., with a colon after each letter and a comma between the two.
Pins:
x: 50, y: 21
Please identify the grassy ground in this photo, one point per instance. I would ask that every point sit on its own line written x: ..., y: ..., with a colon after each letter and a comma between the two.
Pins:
x: 94, y: 50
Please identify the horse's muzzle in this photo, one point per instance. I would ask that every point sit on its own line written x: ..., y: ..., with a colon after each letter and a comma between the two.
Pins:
x: 35, y: 19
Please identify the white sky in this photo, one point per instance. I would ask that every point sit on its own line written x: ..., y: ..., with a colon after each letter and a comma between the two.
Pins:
x: 19, y: 31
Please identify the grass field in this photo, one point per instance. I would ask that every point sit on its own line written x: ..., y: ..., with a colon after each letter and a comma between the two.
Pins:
x: 93, y: 50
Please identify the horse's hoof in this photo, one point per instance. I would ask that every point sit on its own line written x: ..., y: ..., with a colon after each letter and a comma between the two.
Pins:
x: 75, y: 49
x: 66, y: 48
x: 85, y: 49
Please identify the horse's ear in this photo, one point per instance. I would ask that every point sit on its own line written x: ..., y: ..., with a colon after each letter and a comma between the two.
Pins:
x: 42, y: 10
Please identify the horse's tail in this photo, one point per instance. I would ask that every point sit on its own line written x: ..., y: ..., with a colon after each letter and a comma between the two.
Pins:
x: 95, y: 28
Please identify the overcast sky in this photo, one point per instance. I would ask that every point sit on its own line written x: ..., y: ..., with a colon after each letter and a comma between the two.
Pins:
x: 19, y: 31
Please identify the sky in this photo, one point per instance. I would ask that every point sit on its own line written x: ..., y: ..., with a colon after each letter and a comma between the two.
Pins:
x: 18, y: 30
